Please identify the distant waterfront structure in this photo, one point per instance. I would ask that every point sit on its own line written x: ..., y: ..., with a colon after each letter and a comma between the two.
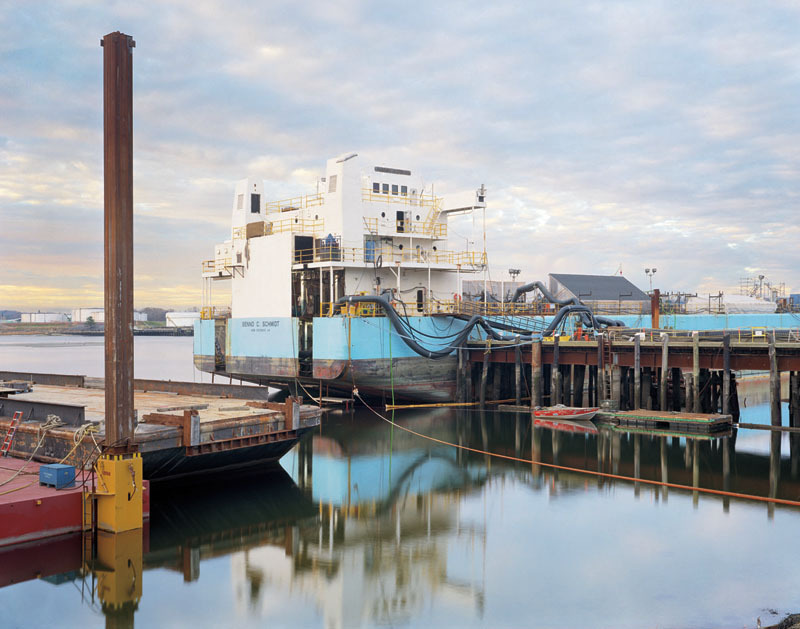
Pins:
x: 182, y: 319
x: 81, y: 315
x: 44, y: 317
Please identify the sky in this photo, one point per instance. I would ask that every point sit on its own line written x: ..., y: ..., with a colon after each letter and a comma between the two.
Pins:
x: 609, y: 135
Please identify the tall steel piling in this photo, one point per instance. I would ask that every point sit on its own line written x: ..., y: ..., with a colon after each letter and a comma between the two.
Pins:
x: 118, y: 170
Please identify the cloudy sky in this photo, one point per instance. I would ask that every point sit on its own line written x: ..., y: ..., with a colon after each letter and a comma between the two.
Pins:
x: 609, y: 134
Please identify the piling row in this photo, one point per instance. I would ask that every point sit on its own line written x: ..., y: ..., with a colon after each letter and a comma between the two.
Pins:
x: 663, y: 373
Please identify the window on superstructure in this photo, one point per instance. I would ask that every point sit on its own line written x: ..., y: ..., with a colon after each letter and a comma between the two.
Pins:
x: 255, y: 201
x: 394, y: 188
x: 332, y: 183
x: 240, y: 202
x: 404, y: 190
x: 386, y: 188
x: 376, y: 187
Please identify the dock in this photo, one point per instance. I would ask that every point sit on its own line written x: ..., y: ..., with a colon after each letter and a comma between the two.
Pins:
x: 633, y: 370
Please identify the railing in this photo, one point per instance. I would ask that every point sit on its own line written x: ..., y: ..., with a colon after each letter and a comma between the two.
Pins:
x: 213, y: 312
x: 285, y: 225
x: 386, y: 255
x: 402, y: 227
x: 220, y: 265
x: 415, y: 200
x: 436, y: 306
x: 295, y: 203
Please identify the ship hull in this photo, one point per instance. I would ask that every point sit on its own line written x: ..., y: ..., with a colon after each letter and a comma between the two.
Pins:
x: 363, y: 353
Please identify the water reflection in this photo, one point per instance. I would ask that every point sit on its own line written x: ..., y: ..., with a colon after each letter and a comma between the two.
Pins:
x: 368, y: 524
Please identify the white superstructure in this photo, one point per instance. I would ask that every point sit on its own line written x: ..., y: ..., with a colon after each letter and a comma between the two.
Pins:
x: 367, y: 229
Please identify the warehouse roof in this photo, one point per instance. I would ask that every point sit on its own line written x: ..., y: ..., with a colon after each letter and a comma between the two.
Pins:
x: 600, y: 287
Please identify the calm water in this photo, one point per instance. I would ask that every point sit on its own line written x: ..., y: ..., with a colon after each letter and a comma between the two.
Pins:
x: 365, y: 525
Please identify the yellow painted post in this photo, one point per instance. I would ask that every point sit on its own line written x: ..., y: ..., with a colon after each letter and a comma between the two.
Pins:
x: 120, y: 486
x: 119, y: 572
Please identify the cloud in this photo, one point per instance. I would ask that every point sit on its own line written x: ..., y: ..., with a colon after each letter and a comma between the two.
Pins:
x: 607, y: 133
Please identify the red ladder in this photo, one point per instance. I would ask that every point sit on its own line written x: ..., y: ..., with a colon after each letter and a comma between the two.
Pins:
x: 12, y: 429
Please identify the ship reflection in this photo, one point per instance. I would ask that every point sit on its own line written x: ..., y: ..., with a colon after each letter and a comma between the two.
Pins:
x: 365, y: 523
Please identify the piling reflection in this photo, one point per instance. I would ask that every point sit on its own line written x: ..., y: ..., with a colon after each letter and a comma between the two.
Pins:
x: 365, y: 521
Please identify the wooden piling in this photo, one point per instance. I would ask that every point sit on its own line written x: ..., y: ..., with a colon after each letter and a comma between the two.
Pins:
x: 637, y: 372
x: 676, y: 388
x: 601, y: 371
x: 536, y: 372
x: 497, y: 381
x: 616, y: 385
x: 696, y: 371
x: 774, y: 383
x: 577, y: 385
x: 662, y: 391
x: 484, y: 378
x: 518, y: 375
x: 555, y: 383
x: 726, y: 373
x: 459, y: 376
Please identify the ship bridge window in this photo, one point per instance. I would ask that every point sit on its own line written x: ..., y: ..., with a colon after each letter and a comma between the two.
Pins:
x: 386, y: 188
x: 404, y: 190
x: 394, y: 188
x: 255, y: 201
x: 376, y: 187
x: 332, y: 183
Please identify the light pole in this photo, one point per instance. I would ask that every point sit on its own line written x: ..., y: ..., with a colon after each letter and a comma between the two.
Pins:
x: 513, y: 273
x: 650, y: 273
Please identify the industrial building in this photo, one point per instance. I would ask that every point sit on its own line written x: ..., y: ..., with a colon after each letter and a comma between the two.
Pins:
x: 43, y: 317
x: 604, y: 293
x: 181, y: 319
x: 81, y: 315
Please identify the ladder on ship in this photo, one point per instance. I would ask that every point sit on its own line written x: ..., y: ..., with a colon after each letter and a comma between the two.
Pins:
x: 12, y: 430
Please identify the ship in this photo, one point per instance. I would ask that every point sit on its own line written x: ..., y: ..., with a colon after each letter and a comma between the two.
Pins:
x: 354, y: 286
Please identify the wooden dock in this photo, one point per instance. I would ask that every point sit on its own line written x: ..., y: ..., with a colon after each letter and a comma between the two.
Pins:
x: 667, y: 420
x: 653, y: 370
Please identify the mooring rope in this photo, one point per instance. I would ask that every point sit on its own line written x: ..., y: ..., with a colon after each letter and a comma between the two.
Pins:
x: 53, y: 421
x: 703, y: 490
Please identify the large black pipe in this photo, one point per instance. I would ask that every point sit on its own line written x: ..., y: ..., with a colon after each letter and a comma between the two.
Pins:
x: 407, y: 333
x: 457, y: 340
x: 526, y: 288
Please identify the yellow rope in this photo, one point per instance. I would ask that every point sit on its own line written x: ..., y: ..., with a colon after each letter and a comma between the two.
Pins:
x: 703, y: 490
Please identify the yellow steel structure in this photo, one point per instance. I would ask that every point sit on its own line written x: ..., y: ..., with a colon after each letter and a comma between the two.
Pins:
x: 295, y: 203
x: 389, y: 255
x: 119, y: 569
x: 284, y: 225
x: 119, y: 492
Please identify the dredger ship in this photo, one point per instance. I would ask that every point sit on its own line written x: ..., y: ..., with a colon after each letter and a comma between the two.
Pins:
x: 355, y: 285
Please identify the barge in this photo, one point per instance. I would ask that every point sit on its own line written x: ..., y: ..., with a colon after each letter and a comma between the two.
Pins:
x: 182, y: 428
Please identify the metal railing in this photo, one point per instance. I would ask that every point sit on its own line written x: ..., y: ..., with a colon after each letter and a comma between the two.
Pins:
x: 436, y: 306
x: 386, y: 255
x: 214, y: 312
x: 295, y: 203
x: 284, y: 225
x: 403, y: 227
x: 413, y: 200
x: 220, y: 265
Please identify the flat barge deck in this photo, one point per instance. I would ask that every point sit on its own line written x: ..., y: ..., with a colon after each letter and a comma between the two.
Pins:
x: 179, y: 429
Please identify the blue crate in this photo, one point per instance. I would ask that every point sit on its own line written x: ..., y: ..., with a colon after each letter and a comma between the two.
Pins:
x: 57, y: 475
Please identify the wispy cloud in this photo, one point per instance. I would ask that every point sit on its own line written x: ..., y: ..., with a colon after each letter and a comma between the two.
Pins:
x: 614, y: 133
